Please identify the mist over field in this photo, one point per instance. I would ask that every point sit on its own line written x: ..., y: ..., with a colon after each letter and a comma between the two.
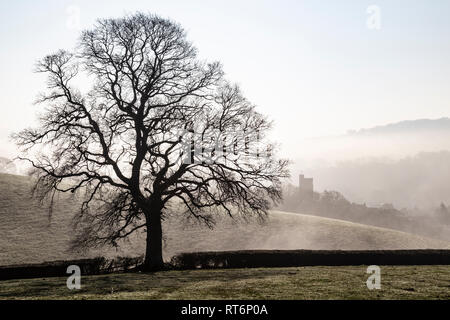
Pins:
x: 28, y: 234
x: 403, y: 169
x: 417, y: 181
x: 405, y: 164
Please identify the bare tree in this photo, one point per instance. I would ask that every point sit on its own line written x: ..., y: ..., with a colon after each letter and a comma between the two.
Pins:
x: 157, y: 127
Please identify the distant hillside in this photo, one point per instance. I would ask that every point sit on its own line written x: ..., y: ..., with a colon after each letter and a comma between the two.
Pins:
x: 405, y: 163
x: 409, y: 126
x: 332, y: 204
x: 28, y: 235
x: 389, y: 142
x: 419, y: 181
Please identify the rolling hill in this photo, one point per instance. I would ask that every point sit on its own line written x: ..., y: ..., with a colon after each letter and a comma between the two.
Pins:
x: 408, y: 126
x: 29, y: 235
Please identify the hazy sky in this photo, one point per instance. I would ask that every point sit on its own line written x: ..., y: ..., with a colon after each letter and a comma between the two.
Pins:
x: 313, y: 66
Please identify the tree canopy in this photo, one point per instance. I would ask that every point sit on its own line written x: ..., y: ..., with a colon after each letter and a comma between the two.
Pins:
x: 157, y: 128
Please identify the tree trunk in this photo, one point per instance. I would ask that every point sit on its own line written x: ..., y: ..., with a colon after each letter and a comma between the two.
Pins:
x: 153, y: 253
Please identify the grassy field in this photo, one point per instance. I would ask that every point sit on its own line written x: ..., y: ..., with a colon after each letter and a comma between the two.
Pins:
x: 397, y: 282
x: 29, y: 235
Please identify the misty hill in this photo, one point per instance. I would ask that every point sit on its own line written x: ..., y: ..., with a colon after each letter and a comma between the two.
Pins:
x: 390, y: 142
x: 408, y: 126
x: 421, y: 180
x: 405, y: 163
x: 29, y: 235
x: 291, y: 231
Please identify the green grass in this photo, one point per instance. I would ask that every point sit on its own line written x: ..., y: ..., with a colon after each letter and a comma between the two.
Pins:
x: 349, y: 282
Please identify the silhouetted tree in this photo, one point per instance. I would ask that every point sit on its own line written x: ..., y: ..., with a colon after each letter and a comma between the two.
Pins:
x: 156, y: 128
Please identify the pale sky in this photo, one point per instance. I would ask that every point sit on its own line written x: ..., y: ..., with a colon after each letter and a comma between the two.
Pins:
x: 313, y: 66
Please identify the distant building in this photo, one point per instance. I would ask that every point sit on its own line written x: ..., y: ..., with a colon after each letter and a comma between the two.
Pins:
x: 306, y: 185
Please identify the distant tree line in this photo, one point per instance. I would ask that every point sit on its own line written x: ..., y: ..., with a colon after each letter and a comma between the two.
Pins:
x: 332, y: 204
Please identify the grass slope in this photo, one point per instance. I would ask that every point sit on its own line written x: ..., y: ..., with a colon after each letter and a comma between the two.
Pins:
x: 397, y: 282
x: 28, y: 235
